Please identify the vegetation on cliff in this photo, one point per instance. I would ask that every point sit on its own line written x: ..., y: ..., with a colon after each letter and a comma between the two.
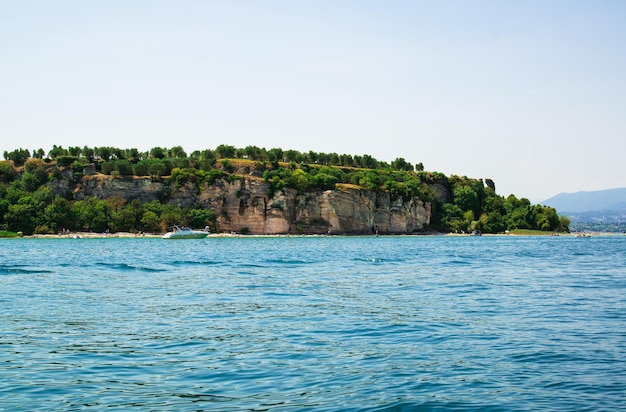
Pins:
x: 28, y: 204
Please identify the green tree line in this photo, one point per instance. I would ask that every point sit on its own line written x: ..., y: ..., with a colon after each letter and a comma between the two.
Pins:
x: 28, y: 205
x: 177, y: 157
x: 42, y: 212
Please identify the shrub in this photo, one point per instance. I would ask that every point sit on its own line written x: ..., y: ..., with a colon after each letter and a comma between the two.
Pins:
x: 66, y: 161
x: 228, y: 166
x: 7, y: 171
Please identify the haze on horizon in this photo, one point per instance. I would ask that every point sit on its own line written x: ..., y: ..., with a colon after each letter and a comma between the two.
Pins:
x: 530, y: 94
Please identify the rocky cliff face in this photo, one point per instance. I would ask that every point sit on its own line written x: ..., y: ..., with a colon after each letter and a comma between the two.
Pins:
x: 244, y: 205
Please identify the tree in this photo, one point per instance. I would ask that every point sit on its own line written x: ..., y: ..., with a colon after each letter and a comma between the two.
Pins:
x: 57, y: 214
x: 74, y: 151
x: 32, y: 180
x: 150, y: 221
x: 132, y: 155
x: 299, y: 180
x: 225, y: 151
x: 178, y: 151
x: 91, y: 214
x: 369, y: 162
x: 157, y: 153
x: 370, y: 181
x: 346, y: 160
x: 325, y: 181
x: 466, y: 198
x: 39, y: 153
x: 333, y: 159
x: 121, y: 217
x: 108, y: 167
x: 124, y: 167
x: 19, y: 156
x: 517, y: 218
x: 254, y: 153
x: 103, y: 153
x: 312, y: 157
x: 291, y: 155
x: 141, y: 168
x: 65, y: 160
x: 275, y: 154
x: 89, y: 154
x: 201, y: 218
x: 453, y: 219
x: 401, y: 164
x: 118, y: 153
x: 159, y: 168
x: 7, y: 171
x: 57, y: 151
x: 22, y: 217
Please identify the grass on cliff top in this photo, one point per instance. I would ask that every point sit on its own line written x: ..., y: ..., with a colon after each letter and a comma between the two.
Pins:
x: 347, y: 186
x: 6, y: 233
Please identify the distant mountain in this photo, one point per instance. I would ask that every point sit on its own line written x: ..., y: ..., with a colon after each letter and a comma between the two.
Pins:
x: 602, y: 210
x: 600, y: 200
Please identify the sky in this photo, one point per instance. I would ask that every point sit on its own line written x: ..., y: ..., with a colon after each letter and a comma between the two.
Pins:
x: 530, y: 94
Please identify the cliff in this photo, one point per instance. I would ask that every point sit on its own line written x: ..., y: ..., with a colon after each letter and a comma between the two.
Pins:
x: 244, y: 205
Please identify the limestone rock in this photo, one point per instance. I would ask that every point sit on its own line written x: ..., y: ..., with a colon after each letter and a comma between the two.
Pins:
x: 244, y: 205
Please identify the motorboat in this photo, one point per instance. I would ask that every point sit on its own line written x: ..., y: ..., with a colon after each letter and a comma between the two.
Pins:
x: 183, y: 232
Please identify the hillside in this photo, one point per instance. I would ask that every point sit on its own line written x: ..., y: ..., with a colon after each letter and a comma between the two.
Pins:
x: 602, y: 210
x: 250, y: 190
x: 600, y: 200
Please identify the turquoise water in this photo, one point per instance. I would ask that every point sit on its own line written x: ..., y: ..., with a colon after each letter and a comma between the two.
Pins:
x: 319, y: 323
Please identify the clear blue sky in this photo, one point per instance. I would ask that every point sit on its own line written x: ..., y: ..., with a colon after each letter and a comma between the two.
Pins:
x: 531, y: 94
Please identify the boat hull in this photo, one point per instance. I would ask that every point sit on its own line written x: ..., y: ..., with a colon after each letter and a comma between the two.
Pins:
x: 186, y: 233
x: 186, y: 236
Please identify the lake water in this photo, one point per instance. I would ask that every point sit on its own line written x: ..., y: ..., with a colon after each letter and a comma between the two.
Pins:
x: 319, y: 323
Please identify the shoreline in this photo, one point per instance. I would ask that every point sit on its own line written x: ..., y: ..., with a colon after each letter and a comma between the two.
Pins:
x: 128, y: 235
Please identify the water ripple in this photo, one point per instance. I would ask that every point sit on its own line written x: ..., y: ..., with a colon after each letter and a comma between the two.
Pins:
x: 21, y: 270
x: 325, y: 323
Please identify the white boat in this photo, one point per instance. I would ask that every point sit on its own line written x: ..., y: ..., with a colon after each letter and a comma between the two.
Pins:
x: 183, y: 232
